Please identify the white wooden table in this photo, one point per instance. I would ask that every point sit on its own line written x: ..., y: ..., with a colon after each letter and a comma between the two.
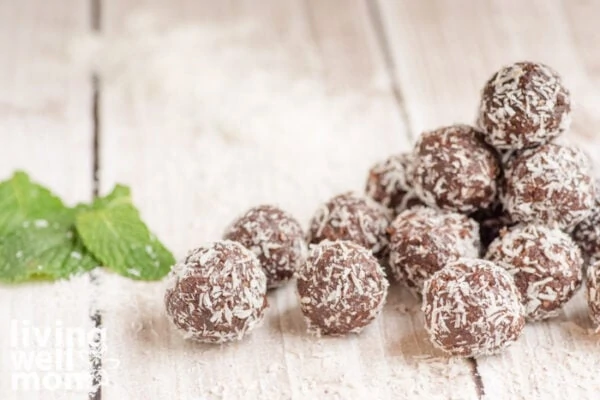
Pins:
x: 158, y: 108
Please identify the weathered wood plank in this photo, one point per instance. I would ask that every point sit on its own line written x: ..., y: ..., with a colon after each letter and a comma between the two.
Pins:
x: 46, y: 130
x: 397, y: 360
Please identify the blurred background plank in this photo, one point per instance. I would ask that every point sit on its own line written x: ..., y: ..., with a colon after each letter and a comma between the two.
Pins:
x: 46, y: 130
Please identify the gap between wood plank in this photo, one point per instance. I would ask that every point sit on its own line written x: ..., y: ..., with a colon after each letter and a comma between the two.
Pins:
x: 96, y: 346
x: 95, y: 354
x: 388, y: 61
x: 95, y: 15
x: 477, y: 378
x: 377, y: 23
x: 96, y: 134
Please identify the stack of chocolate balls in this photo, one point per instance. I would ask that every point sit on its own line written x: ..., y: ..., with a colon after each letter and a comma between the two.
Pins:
x: 490, y: 241
x: 491, y: 225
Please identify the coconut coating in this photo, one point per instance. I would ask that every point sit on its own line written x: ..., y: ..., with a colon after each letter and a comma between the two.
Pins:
x: 545, y: 263
x: 587, y: 233
x: 424, y: 240
x: 275, y: 237
x: 217, y: 293
x: 352, y: 217
x: 551, y: 184
x: 524, y: 105
x: 593, y: 292
x: 390, y: 183
x: 454, y: 169
x: 472, y: 308
x: 342, y: 288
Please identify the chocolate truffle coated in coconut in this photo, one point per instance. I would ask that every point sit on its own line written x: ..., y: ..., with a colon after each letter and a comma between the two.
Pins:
x: 593, y: 292
x: 472, y: 308
x: 424, y: 240
x: 551, y: 184
x: 217, y: 293
x: 454, y: 169
x: 342, y: 288
x: 587, y: 233
x: 389, y: 183
x: 352, y: 217
x: 275, y: 237
x: 545, y: 263
x: 524, y: 105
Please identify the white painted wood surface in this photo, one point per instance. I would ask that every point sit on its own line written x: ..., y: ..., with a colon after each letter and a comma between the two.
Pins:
x: 46, y: 129
x: 347, y: 82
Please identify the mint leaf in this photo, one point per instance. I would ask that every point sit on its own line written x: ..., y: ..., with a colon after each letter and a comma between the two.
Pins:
x: 37, y: 236
x: 40, y: 238
x: 43, y: 249
x: 22, y: 200
x: 112, y: 229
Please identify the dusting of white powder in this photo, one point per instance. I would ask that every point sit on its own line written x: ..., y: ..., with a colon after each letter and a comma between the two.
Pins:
x: 274, y: 125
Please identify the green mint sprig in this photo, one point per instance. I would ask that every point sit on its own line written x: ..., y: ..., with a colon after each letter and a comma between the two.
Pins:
x: 41, y: 238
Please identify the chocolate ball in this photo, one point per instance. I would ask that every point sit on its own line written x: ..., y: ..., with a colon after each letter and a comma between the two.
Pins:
x: 472, y: 308
x: 389, y: 183
x: 352, y: 217
x: 551, y: 184
x: 545, y: 263
x: 217, y: 293
x: 454, y: 169
x: 424, y: 240
x: 587, y: 233
x: 524, y: 105
x: 342, y: 288
x: 593, y: 292
x: 275, y: 237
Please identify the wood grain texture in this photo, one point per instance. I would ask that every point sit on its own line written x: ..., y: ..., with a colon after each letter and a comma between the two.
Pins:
x: 46, y: 130
x: 453, y: 50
